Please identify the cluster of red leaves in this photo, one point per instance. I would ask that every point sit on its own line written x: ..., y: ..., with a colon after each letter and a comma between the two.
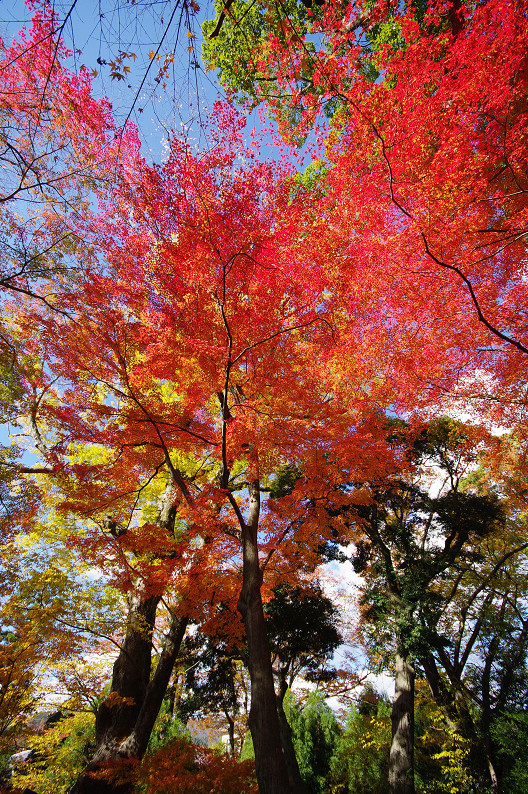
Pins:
x: 183, y: 768
x: 423, y: 228
x: 57, y: 140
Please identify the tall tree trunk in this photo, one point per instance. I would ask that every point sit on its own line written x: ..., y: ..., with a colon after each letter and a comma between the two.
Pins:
x: 401, y: 764
x: 231, y: 732
x: 263, y: 719
x: 117, y: 714
x: 294, y: 773
x: 135, y: 745
x: 123, y: 730
x: 486, y: 716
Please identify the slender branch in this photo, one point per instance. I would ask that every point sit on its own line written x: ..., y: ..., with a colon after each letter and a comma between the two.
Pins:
x: 391, y: 178
x: 138, y: 92
x: 223, y: 12
x: 271, y: 552
x: 55, y: 50
x: 30, y: 469
x: 279, y: 333
x: 4, y: 283
x: 467, y: 282
x: 495, y: 570
x: 474, y: 634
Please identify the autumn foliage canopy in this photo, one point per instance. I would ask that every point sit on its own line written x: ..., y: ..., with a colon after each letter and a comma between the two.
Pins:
x: 208, y: 356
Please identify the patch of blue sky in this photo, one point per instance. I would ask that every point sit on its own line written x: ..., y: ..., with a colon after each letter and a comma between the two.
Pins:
x: 180, y: 102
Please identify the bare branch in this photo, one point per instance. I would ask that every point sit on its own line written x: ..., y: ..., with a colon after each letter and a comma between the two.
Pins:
x: 481, y: 316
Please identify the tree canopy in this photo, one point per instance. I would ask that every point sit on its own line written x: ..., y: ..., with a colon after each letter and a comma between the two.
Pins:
x: 227, y: 372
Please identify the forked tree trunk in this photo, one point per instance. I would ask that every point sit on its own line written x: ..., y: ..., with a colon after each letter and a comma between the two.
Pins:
x: 136, y: 743
x: 401, y: 764
x: 272, y: 776
x: 131, y: 674
x: 126, y: 717
x: 123, y: 728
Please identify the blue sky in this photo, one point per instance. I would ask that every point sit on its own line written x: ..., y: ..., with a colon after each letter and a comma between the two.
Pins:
x: 98, y: 31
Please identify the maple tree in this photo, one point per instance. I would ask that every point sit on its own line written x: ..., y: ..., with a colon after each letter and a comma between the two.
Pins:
x: 184, y: 380
x: 59, y: 752
x: 56, y: 144
x: 197, y: 769
x: 445, y: 172
x: 229, y: 321
x: 195, y: 364
x: 424, y: 182
x: 424, y: 192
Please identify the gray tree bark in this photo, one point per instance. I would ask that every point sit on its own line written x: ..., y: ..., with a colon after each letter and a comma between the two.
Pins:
x: 401, y: 764
x: 294, y: 774
x: 271, y: 770
x: 123, y: 730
